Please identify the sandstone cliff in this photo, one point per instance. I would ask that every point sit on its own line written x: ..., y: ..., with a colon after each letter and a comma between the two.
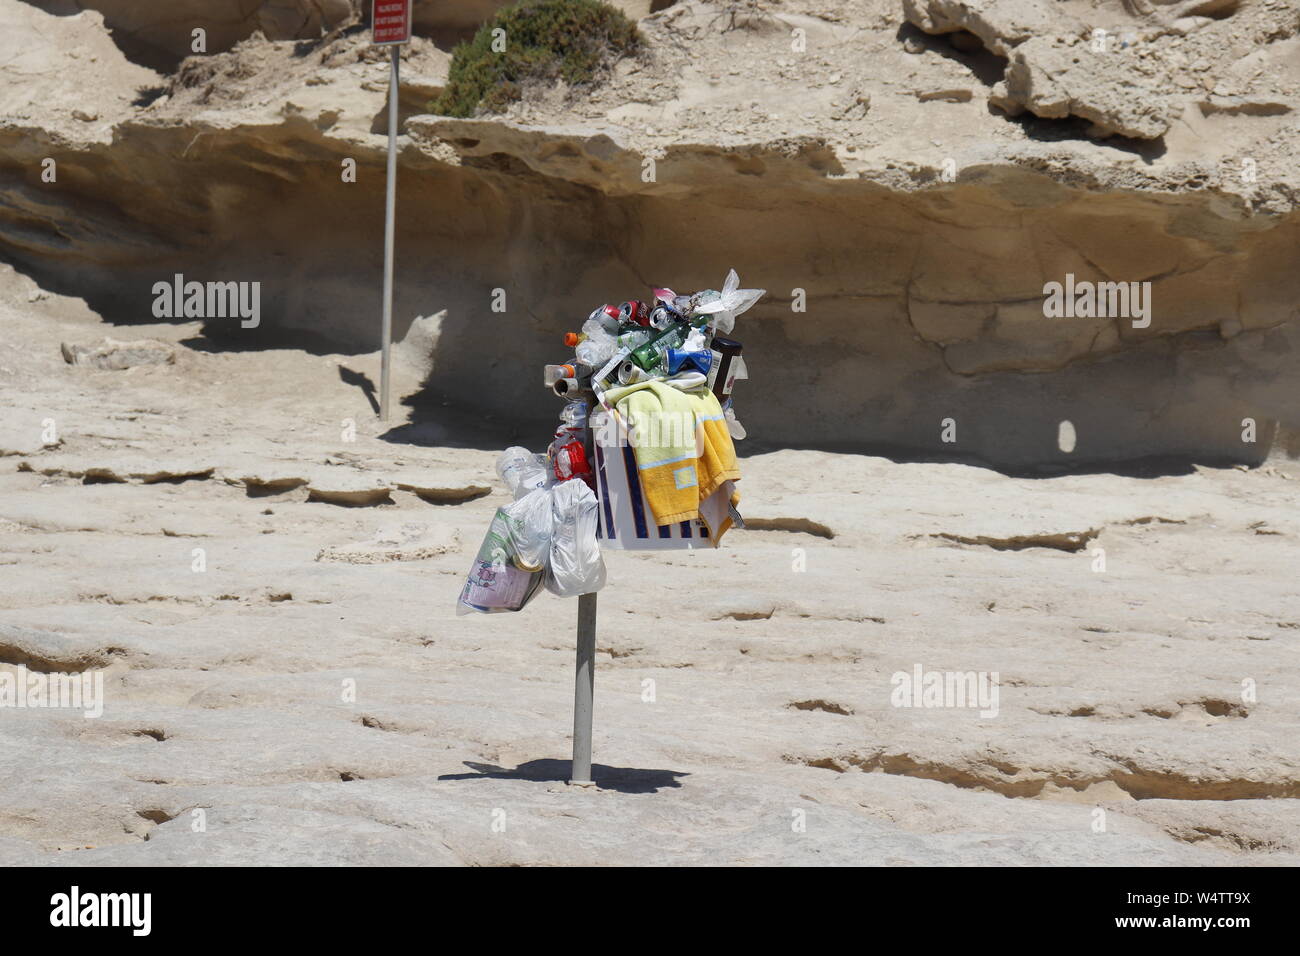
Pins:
x: 916, y: 172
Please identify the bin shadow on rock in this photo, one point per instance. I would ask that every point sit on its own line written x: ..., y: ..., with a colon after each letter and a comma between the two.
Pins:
x: 622, y: 779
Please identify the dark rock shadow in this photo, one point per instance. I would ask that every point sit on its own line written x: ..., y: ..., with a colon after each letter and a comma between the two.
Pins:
x: 146, y: 95
x: 262, y: 339
x: 1149, y: 466
x: 438, y: 421
x: 622, y: 779
x: 960, y: 47
x: 1076, y: 128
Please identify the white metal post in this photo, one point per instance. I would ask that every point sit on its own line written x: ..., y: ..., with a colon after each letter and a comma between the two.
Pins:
x: 584, y: 686
x: 390, y: 214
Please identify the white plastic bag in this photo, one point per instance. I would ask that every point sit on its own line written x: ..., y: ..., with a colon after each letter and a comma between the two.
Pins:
x: 495, y: 581
x: 576, y: 566
x: 532, y: 530
x: 508, y: 569
x: 728, y: 304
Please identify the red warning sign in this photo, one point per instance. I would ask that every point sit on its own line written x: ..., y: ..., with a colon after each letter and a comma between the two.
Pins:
x: 390, y: 21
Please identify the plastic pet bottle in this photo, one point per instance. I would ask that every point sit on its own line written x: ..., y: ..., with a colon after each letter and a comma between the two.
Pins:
x: 596, y: 346
x: 553, y: 373
x: 574, y: 414
x: 521, y: 471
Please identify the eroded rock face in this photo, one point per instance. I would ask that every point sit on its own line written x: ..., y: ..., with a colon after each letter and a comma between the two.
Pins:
x: 161, y: 34
x: 338, y: 487
x: 40, y: 54
x: 1054, y: 77
x: 1059, y: 66
x: 1001, y: 25
x: 111, y: 354
x: 919, y: 236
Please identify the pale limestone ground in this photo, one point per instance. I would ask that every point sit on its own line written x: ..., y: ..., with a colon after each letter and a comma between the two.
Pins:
x: 1120, y: 690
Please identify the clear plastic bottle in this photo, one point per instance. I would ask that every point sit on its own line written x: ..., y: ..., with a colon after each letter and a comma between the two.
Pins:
x: 574, y: 414
x: 596, y: 346
x: 554, y: 373
x: 521, y: 471
x: 635, y: 338
x: 593, y: 353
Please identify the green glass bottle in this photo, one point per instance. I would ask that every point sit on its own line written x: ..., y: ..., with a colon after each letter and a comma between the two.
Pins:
x: 650, y: 356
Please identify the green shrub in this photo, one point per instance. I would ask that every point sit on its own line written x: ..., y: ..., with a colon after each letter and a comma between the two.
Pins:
x: 545, y: 40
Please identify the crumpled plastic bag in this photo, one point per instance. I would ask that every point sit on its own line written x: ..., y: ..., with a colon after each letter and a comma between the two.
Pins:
x: 511, y: 562
x: 576, y: 566
x: 724, y: 306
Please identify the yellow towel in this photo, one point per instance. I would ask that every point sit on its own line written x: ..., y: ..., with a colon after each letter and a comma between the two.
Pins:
x: 682, y: 446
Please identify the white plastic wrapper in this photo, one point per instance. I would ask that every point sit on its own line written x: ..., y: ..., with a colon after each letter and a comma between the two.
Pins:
x: 576, y: 566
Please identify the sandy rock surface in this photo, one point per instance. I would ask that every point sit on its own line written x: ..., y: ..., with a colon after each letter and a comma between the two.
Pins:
x: 286, y: 681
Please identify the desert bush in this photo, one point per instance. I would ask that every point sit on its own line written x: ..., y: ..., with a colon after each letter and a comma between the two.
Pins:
x: 544, y: 40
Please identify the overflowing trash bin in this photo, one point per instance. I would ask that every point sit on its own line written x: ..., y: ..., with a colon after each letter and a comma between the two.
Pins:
x: 643, y: 456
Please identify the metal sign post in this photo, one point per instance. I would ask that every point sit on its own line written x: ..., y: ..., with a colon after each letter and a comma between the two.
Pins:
x: 390, y: 23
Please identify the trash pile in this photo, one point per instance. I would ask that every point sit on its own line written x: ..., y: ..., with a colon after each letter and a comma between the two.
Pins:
x: 642, y: 458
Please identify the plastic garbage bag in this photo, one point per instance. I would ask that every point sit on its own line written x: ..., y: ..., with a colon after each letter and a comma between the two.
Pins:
x: 496, y: 581
x: 523, y: 472
x: 576, y: 566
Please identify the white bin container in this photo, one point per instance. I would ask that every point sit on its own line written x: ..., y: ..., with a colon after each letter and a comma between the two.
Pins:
x: 626, y: 522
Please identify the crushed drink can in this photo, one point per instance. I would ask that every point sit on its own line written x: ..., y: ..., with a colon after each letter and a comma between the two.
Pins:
x: 608, y: 316
x: 634, y: 311
x: 677, y: 359
x: 662, y: 316
x: 629, y: 374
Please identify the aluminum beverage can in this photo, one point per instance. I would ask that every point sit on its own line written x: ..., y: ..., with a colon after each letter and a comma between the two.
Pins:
x: 629, y: 374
